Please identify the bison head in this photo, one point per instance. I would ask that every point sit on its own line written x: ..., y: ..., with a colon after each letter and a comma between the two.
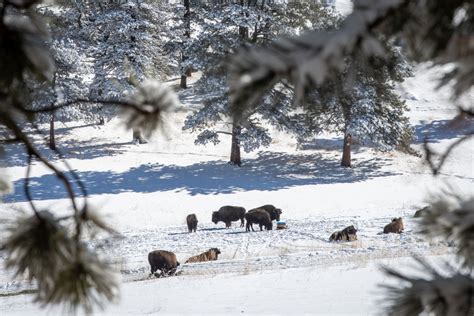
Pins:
x: 350, y: 230
x: 278, y: 213
x: 215, y: 217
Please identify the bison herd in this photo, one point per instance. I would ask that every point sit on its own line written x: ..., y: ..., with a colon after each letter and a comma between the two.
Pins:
x: 166, y: 261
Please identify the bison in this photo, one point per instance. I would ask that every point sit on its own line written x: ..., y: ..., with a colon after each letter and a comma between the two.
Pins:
x: 396, y: 226
x: 260, y: 217
x: 163, y: 260
x: 347, y: 234
x: 271, y: 210
x: 228, y: 214
x: 422, y: 212
x: 192, y: 222
x: 209, y: 255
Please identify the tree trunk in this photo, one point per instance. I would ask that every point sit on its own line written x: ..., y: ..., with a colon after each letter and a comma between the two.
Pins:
x: 52, y: 139
x: 235, y: 150
x: 183, y: 83
x: 346, y: 151
x: 187, y: 34
x: 137, y: 136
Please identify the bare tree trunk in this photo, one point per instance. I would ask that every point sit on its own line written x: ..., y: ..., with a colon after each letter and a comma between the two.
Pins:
x: 137, y: 136
x: 346, y: 151
x: 52, y: 139
x: 235, y: 150
x: 187, y: 34
x: 183, y: 83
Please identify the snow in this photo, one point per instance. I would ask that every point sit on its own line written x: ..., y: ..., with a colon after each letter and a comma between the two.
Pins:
x: 147, y: 191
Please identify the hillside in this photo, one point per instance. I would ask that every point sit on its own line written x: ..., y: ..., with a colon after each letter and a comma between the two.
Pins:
x: 147, y: 190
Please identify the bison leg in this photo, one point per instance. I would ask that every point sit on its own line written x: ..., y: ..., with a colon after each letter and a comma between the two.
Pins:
x: 172, y: 271
x: 242, y: 222
x: 261, y: 229
x: 247, y: 227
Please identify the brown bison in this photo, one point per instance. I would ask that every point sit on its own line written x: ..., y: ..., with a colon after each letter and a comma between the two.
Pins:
x: 396, y: 226
x: 209, y: 255
x: 260, y: 217
x: 271, y: 210
x: 228, y: 214
x: 192, y: 222
x: 163, y: 260
x: 347, y: 234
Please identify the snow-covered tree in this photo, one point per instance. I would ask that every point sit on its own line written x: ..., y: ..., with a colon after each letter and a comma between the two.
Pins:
x: 123, y: 42
x: 226, y: 26
x: 72, y: 74
x: 366, y: 112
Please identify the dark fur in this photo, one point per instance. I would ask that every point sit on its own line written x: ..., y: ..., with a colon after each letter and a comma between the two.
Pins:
x: 163, y: 260
x: 422, y: 212
x: 271, y: 210
x: 347, y: 234
x: 209, y: 255
x: 228, y: 214
x: 396, y: 226
x: 192, y: 222
x: 260, y: 217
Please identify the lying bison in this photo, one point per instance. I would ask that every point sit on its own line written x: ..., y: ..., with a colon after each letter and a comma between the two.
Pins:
x: 260, y: 217
x: 422, y: 212
x: 271, y: 210
x: 163, y: 260
x: 347, y: 234
x: 396, y: 226
x: 228, y: 214
x: 209, y: 255
x: 192, y: 222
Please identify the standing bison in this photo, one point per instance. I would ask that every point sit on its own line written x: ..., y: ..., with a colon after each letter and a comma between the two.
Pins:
x: 192, y: 222
x: 271, y: 210
x: 396, y: 226
x: 260, y: 217
x: 163, y: 260
x: 228, y: 214
x: 347, y: 234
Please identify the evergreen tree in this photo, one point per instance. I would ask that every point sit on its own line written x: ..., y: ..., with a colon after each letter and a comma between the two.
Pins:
x: 366, y: 112
x: 123, y: 42
x: 225, y: 27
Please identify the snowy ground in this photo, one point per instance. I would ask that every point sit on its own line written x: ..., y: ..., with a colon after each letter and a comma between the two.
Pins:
x: 147, y: 191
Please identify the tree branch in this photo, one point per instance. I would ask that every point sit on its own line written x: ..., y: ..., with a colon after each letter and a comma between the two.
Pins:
x: 436, y: 168
x: 222, y: 132
x: 121, y: 103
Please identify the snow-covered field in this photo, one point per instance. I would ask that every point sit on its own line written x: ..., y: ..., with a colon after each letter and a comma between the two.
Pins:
x: 146, y: 191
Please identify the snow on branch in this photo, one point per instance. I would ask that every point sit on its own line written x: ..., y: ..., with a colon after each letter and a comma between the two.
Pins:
x: 436, y: 295
x: 308, y: 59
x: 452, y: 217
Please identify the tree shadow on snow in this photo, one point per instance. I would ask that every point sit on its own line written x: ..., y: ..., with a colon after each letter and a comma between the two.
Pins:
x: 213, y: 229
x: 71, y: 149
x: 268, y: 172
x: 239, y: 232
x: 439, y: 130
